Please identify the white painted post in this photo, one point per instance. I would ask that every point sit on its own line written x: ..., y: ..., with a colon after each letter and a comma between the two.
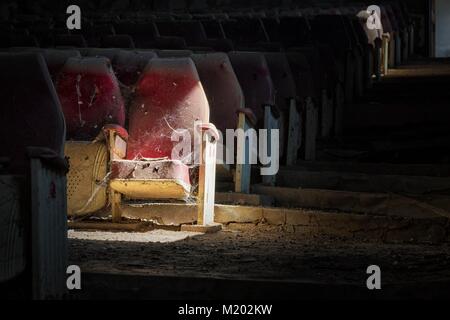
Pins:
x: 207, y: 180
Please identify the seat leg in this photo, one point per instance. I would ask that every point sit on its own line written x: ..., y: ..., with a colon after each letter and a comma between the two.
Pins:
x: 116, y: 210
x: 392, y: 49
x: 349, y: 81
x: 378, y: 60
x: 385, y: 56
x: 398, y: 50
x: 339, y: 110
x: 311, y: 123
x: 326, y: 115
x: 243, y: 158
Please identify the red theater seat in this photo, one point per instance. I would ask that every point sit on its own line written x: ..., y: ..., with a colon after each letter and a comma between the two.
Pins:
x: 227, y: 103
x: 222, y: 88
x: 254, y: 77
x: 169, y: 97
x: 90, y: 97
x: 286, y: 94
x: 282, y: 77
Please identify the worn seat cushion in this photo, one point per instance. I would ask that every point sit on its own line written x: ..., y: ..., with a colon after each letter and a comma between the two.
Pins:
x: 155, y: 179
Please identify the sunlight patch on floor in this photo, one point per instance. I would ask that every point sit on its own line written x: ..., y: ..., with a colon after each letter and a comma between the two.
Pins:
x: 154, y: 236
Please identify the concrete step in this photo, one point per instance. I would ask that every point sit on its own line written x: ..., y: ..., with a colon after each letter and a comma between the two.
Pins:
x: 428, y: 170
x: 423, y: 228
x: 224, y: 186
x: 244, y: 199
x: 357, y: 202
x: 105, y: 225
x: 361, y: 182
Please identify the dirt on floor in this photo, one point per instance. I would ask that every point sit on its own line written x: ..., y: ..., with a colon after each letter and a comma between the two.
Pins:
x: 256, y: 252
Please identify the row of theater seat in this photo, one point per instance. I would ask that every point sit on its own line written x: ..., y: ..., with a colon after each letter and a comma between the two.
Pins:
x: 206, y: 32
x: 334, y: 41
x: 297, y: 69
x: 154, y: 96
x: 160, y: 95
x: 265, y: 78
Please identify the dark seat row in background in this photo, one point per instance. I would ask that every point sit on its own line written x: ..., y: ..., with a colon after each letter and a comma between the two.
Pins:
x: 325, y: 54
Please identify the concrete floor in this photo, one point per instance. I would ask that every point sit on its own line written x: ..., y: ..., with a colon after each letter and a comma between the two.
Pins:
x: 257, y: 260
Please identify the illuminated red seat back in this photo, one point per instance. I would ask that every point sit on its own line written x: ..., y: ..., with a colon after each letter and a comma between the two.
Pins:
x: 169, y: 96
x: 222, y: 88
x: 90, y: 97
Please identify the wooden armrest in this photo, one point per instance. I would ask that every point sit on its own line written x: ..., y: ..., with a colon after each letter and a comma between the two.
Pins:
x: 117, y: 130
x: 118, y: 148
